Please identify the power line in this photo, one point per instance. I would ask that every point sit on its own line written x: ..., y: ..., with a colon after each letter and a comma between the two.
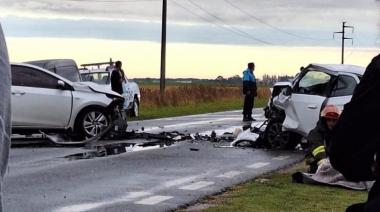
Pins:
x: 229, y: 27
x: 271, y: 25
x: 214, y: 23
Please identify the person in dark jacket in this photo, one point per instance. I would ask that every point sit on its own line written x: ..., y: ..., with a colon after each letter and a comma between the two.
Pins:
x: 117, y: 78
x: 355, y: 145
x: 319, y: 138
x: 249, y: 91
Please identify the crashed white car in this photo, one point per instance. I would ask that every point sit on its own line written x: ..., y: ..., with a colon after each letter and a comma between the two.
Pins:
x: 42, y: 100
x: 318, y: 85
x: 131, y: 89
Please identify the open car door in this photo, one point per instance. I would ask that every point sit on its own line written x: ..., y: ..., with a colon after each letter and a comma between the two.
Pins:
x: 306, y: 100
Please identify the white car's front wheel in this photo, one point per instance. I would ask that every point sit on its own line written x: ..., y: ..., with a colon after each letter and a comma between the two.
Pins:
x: 91, y: 122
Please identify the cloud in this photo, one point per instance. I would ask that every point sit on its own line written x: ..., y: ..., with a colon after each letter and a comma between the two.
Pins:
x: 289, y: 12
x: 205, y: 23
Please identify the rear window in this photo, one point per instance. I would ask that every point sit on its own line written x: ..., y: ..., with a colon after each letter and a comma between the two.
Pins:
x: 344, y: 86
x: 68, y: 72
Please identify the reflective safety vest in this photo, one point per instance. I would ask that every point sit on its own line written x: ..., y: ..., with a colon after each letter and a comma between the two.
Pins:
x: 316, y: 157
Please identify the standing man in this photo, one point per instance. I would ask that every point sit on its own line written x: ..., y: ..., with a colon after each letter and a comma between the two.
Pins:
x: 117, y: 78
x: 250, y: 91
x: 110, y: 67
x: 5, y: 111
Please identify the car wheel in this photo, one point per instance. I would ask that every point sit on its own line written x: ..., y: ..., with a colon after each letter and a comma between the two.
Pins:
x: 91, y: 122
x: 135, y: 108
x: 276, y: 138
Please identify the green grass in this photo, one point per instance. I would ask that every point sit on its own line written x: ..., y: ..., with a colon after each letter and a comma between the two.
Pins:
x: 190, y: 109
x: 280, y: 194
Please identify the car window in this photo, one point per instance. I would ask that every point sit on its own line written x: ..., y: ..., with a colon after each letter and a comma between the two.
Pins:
x: 313, y: 83
x: 68, y: 72
x: 99, y: 77
x: 29, y: 77
x: 344, y: 86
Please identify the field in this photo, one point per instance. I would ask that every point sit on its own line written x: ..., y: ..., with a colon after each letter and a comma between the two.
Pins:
x: 194, y: 99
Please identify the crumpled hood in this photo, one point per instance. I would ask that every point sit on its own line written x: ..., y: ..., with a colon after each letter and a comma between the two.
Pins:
x: 93, y: 87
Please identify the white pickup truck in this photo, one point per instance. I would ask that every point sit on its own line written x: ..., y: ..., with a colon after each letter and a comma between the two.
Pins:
x: 103, y: 77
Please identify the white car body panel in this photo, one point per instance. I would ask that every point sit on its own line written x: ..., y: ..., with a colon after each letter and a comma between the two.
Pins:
x: 40, y: 107
x: 300, y: 107
x: 303, y: 110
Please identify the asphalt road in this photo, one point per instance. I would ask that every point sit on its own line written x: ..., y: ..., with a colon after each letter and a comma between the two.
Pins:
x: 157, y: 179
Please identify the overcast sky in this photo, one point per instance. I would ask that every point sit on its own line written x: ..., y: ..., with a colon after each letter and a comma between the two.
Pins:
x: 252, y: 22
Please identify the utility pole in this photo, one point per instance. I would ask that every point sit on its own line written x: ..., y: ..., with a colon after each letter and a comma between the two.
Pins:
x: 343, y: 32
x: 163, y: 49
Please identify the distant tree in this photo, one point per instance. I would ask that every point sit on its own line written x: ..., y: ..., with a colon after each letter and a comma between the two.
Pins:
x: 235, y: 78
x: 220, y: 78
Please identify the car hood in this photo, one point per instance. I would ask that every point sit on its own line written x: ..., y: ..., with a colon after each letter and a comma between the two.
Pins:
x: 91, y: 86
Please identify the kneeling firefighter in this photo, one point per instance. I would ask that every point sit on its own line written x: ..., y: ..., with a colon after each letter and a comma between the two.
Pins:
x: 319, y: 138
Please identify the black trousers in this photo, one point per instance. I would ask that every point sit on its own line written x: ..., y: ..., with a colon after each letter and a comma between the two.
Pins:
x: 248, y: 104
x: 373, y: 203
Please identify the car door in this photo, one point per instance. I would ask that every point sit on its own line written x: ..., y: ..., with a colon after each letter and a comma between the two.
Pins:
x: 36, y: 100
x: 343, y: 89
x: 127, y: 94
x: 309, y: 93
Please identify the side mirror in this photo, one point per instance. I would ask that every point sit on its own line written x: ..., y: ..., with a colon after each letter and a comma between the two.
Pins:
x: 61, y: 84
x: 287, y: 91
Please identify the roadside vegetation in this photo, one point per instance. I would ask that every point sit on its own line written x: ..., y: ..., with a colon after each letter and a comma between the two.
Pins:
x: 194, y: 99
x: 276, y: 192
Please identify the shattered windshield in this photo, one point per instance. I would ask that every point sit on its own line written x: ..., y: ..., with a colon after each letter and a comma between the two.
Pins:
x: 314, y: 82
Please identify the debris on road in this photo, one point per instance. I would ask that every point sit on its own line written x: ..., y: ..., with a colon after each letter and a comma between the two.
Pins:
x: 194, y: 149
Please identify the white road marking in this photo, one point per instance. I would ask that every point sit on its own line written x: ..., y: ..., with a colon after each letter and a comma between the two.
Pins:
x: 153, y: 200
x: 258, y: 165
x: 79, y: 207
x: 197, y: 185
x: 281, y: 157
x: 91, y: 206
x: 180, y: 181
x: 134, y: 195
x: 230, y: 174
x: 190, y: 123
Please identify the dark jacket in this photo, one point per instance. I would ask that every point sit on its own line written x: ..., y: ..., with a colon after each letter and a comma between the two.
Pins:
x: 116, y: 81
x: 356, y: 138
x: 318, y: 140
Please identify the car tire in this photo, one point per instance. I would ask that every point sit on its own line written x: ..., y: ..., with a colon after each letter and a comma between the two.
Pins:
x: 135, y: 110
x: 91, y: 122
x: 275, y: 137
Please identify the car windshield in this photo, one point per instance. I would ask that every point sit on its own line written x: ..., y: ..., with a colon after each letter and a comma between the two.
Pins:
x: 314, y: 82
x: 98, y: 77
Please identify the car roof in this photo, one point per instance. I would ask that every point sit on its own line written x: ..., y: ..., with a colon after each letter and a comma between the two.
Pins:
x: 354, y: 69
x: 43, y: 70
x: 51, y: 63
